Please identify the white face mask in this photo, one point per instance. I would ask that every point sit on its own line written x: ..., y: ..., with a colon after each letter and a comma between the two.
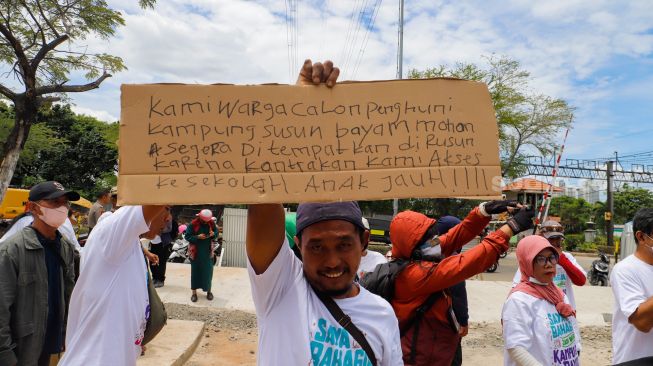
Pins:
x: 54, y: 217
x: 431, y: 248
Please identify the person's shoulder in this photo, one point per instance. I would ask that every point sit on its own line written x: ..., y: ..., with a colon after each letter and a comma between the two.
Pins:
x: 375, y: 301
x: 17, y: 240
x: 628, y: 265
x: 521, y: 297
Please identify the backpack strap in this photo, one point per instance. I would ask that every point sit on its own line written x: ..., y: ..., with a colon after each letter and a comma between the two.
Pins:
x: 345, y: 321
x: 416, y: 320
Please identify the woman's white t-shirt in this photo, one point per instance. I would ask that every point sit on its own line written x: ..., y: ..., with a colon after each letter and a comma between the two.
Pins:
x: 632, y: 284
x: 110, y: 305
x: 295, y: 328
x: 536, y: 325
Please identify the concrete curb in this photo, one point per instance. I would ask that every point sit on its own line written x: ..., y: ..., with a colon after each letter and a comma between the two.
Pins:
x: 188, y: 353
x: 174, y: 345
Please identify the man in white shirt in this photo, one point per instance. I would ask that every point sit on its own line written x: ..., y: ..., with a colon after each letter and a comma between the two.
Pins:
x: 568, y: 271
x: 632, y: 285
x: 370, y: 258
x: 109, y: 307
x: 295, y: 326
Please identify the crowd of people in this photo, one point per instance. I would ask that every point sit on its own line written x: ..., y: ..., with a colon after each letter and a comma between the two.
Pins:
x: 321, y: 296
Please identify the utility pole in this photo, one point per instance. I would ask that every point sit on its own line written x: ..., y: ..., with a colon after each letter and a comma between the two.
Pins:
x: 609, y: 221
x: 400, y: 74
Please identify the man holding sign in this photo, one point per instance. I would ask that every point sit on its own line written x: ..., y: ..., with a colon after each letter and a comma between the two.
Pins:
x: 299, y: 303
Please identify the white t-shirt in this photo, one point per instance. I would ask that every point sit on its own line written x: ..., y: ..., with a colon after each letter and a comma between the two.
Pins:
x: 369, y: 262
x: 632, y: 284
x: 561, y: 278
x: 66, y: 230
x: 536, y: 325
x: 110, y: 305
x: 295, y: 328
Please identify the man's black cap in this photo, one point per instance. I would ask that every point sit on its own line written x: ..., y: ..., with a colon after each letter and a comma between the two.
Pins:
x: 311, y: 213
x: 51, y: 190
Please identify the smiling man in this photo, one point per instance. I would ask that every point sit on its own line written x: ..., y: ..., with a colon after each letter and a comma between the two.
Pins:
x: 295, y: 325
x: 37, y: 276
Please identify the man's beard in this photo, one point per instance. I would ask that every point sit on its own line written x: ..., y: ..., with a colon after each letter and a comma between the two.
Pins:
x: 338, y: 292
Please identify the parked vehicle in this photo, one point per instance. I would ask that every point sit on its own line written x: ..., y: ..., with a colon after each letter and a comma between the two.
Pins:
x: 81, y: 239
x: 493, y: 268
x: 599, y: 273
x: 179, y: 251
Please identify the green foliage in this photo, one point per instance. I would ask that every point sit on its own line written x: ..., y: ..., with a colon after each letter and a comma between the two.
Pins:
x: 525, y: 119
x: 628, y: 200
x: 72, y: 149
x: 432, y: 207
x: 379, y: 248
x: 574, y: 241
x: 573, y: 212
x: 36, y: 23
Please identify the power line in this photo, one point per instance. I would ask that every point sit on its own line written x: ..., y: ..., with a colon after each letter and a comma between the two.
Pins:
x: 369, y: 27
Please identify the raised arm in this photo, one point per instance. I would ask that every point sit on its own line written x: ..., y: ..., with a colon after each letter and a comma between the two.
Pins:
x: 266, y: 222
x: 265, y: 234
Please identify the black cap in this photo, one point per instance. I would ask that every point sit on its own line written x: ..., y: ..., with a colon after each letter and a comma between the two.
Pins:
x: 51, y: 190
x: 312, y: 213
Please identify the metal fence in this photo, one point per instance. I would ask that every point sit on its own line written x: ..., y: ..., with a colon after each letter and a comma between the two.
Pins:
x: 234, y: 222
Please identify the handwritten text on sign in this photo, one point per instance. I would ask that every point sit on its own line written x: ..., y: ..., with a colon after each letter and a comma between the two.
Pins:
x: 279, y: 143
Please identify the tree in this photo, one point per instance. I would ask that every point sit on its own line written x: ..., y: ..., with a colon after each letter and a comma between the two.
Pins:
x: 34, y: 33
x: 78, y: 151
x: 573, y: 212
x: 524, y: 119
x: 628, y: 200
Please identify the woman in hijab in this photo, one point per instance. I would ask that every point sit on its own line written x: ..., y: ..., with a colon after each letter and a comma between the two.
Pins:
x: 200, y: 233
x: 539, y: 325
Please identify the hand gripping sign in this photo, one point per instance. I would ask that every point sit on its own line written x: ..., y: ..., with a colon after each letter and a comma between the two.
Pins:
x: 191, y: 144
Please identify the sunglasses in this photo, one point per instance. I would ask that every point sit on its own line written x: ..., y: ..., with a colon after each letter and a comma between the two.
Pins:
x: 557, y: 229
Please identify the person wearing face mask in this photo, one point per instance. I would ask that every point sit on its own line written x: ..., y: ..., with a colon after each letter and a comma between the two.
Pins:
x: 421, y: 300
x: 37, y: 276
x: 568, y: 271
x: 539, y: 323
x: 109, y: 307
x: 632, y: 285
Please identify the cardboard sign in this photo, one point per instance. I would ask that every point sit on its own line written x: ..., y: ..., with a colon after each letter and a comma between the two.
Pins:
x: 193, y: 144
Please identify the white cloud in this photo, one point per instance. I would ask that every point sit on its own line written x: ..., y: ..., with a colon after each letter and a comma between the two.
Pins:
x: 99, y: 114
x: 566, y: 45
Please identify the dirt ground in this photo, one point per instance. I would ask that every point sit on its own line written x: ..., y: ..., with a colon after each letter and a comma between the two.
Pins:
x: 230, y: 339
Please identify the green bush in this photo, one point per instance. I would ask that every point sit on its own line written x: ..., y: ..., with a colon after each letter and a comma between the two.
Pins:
x: 380, y: 248
x: 586, y: 247
x: 573, y: 241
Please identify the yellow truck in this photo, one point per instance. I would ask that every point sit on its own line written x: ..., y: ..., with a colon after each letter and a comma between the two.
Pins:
x: 14, y: 203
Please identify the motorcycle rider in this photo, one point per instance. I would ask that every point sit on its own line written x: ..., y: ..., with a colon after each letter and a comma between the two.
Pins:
x: 568, y: 270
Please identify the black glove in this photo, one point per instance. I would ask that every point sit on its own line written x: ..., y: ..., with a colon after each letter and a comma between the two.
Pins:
x: 497, y: 207
x: 522, y: 220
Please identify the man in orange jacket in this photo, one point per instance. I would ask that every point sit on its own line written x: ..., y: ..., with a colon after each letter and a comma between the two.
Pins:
x: 433, y: 340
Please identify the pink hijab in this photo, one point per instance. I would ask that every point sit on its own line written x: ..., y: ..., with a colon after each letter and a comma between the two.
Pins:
x: 527, y: 249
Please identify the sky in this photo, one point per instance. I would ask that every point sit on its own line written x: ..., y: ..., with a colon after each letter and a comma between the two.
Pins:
x: 597, y: 55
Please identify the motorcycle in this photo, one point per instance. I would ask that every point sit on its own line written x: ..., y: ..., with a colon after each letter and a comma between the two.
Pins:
x: 179, y: 251
x: 598, y: 275
x: 217, y: 250
x: 493, y: 268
